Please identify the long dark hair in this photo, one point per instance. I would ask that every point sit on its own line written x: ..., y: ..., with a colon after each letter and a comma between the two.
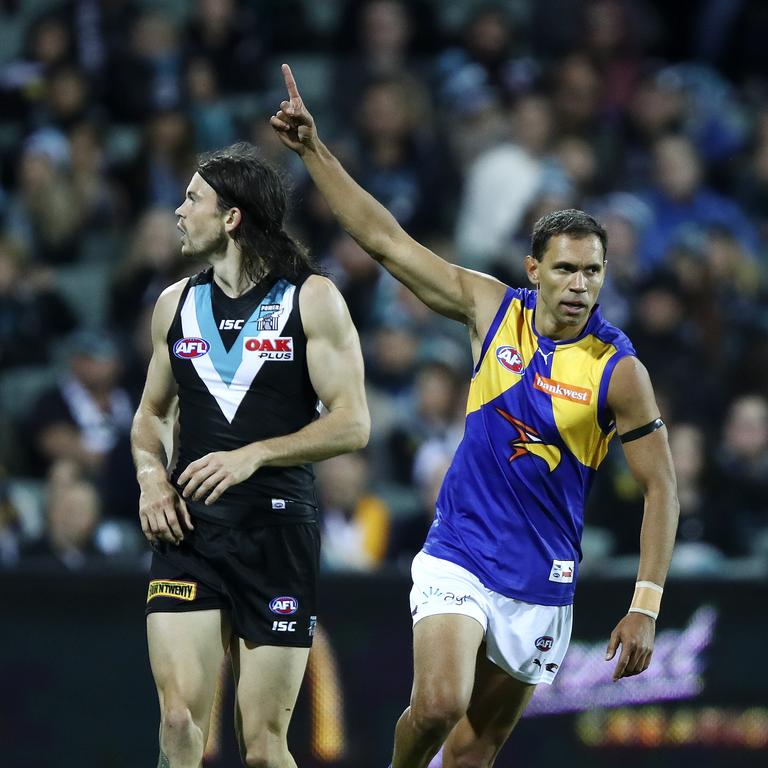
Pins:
x: 242, y: 179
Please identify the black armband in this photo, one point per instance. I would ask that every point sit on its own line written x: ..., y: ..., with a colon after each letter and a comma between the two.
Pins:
x: 646, y: 429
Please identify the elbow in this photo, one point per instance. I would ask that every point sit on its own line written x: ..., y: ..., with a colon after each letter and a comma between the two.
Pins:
x: 361, y: 433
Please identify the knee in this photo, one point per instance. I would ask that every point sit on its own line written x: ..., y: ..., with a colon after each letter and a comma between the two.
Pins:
x: 266, y: 748
x: 436, y: 713
x: 177, y: 718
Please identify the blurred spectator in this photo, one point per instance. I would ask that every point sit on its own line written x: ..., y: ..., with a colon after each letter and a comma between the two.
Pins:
x: 399, y: 163
x: 410, y: 530
x: 73, y: 512
x: 166, y: 162
x: 355, y: 523
x: 32, y: 314
x: 432, y: 416
x: 10, y: 529
x: 93, y: 190
x: 230, y: 38
x: 700, y: 529
x: 87, y: 414
x: 502, y: 183
x: 741, y: 473
x: 671, y: 347
x: 45, y: 213
x: 150, y: 76
x: 680, y: 199
x: 211, y: 118
x: 152, y: 263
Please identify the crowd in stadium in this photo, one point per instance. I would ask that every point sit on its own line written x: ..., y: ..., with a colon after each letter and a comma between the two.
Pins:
x: 468, y: 121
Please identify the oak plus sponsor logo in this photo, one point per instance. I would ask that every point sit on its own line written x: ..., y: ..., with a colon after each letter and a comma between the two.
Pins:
x: 510, y: 359
x: 284, y: 605
x: 190, y: 347
x: 280, y: 348
x: 181, y: 590
x: 565, y: 391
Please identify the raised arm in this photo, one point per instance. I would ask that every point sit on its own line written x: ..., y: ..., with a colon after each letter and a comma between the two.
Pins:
x: 162, y: 512
x: 335, y: 365
x: 644, y: 439
x: 461, y: 294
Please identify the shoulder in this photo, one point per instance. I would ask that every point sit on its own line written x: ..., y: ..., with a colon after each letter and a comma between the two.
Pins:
x: 615, y: 337
x: 630, y: 383
x: 165, y: 306
x: 322, y: 306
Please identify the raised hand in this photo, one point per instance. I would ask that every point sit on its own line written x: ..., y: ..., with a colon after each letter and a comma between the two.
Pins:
x: 292, y: 123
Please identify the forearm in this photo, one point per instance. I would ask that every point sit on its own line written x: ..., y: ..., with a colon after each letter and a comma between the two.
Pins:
x: 657, y: 535
x: 151, y: 442
x: 341, y: 431
x: 358, y: 212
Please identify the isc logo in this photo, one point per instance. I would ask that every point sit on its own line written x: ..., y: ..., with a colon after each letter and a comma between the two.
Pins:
x: 283, y: 626
x: 231, y: 325
x: 190, y: 347
x: 271, y: 349
x: 284, y: 605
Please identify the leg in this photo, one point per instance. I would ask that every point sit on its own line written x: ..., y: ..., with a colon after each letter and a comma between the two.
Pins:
x: 185, y: 652
x: 444, y: 647
x: 498, y: 701
x: 268, y: 679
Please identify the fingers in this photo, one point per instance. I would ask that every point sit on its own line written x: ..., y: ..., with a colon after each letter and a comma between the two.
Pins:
x: 222, y: 486
x: 624, y: 659
x: 173, y: 525
x: 278, y: 124
x: 290, y: 83
x: 185, y: 516
x: 613, y: 644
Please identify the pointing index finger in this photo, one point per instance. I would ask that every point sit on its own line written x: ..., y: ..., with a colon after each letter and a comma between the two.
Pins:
x: 290, y: 83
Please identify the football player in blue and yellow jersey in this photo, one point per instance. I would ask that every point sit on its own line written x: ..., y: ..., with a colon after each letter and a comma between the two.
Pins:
x: 553, y: 382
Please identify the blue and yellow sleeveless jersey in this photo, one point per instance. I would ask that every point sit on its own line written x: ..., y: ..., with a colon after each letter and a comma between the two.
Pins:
x: 511, y: 508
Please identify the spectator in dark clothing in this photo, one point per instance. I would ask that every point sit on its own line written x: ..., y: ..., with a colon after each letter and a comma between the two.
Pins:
x: 73, y: 512
x: 32, y: 314
x: 86, y: 419
x: 741, y: 479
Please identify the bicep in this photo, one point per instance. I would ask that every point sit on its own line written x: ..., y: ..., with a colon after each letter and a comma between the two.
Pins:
x: 632, y: 401
x: 334, y: 359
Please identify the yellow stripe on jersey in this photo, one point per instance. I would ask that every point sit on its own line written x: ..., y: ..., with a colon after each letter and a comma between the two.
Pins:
x: 492, y: 379
x: 581, y: 366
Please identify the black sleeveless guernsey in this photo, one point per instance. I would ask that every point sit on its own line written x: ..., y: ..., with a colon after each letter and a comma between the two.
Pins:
x: 241, y: 369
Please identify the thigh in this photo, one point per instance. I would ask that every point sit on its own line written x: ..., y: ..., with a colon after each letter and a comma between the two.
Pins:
x: 498, y: 702
x: 267, y: 680
x: 444, y: 652
x: 186, y: 650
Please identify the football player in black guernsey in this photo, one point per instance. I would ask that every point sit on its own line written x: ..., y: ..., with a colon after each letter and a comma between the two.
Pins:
x: 244, y: 354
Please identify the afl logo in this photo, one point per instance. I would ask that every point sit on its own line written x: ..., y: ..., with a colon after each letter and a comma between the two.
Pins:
x: 284, y: 605
x: 510, y: 358
x: 190, y: 347
x: 544, y: 643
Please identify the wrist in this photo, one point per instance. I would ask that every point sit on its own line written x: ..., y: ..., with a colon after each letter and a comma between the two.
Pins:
x: 151, y: 472
x: 258, y: 455
x: 647, y: 599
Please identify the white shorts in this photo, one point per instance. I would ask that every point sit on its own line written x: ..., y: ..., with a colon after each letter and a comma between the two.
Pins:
x: 527, y: 641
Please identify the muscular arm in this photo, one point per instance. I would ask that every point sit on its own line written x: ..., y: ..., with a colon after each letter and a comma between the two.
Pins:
x: 461, y: 294
x: 336, y: 370
x: 152, y: 433
x: 631, y: 399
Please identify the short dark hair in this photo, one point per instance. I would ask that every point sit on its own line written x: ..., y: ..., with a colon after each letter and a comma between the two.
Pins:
x: 242, y: 179
x: 569, y: 222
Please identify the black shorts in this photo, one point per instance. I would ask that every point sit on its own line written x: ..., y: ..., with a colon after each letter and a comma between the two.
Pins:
x: 265, y: 576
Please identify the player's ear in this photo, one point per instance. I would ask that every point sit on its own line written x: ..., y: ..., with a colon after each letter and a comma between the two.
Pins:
x: 232, y: 219
x: 532, y: 269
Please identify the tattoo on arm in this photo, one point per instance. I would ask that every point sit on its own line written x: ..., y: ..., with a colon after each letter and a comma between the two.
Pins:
x: 163, y: 762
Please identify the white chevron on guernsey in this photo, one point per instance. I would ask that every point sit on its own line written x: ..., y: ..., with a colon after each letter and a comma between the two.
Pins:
x: 230, y: 396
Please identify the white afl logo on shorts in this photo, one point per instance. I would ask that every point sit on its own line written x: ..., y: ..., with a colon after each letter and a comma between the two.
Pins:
x: 284, y: 605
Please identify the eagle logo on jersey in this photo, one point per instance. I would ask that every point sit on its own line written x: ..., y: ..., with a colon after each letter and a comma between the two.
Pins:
x: 528, y: 441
